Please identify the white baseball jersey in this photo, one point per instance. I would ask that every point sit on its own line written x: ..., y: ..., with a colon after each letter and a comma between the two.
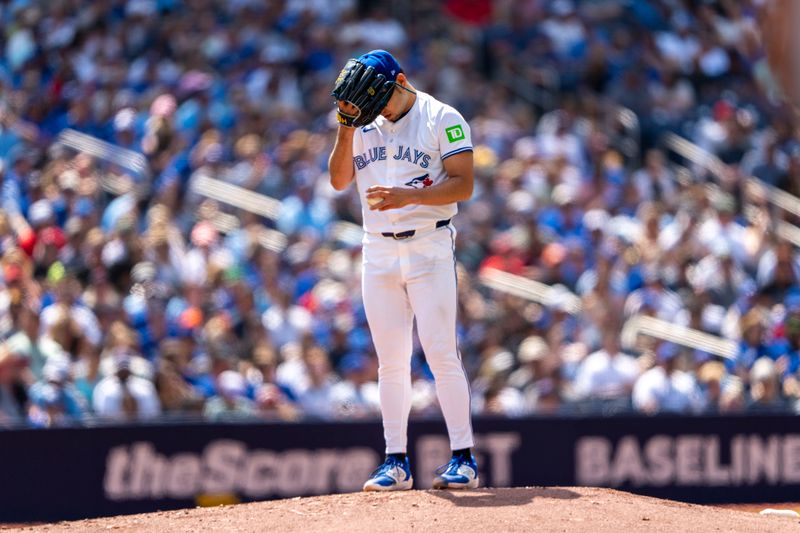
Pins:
x: 409, y: 153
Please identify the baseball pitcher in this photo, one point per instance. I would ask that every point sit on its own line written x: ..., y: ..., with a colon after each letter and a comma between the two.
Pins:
x: 411, y: 158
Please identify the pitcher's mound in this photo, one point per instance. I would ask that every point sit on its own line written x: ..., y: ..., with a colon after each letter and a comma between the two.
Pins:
x: 483, y: 510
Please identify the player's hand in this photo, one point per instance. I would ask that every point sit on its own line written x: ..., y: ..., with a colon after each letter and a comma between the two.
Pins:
x: 383, y: 198
x: 346, y: 114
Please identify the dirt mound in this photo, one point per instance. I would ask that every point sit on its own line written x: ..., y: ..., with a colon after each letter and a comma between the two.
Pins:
x: 484, y: 510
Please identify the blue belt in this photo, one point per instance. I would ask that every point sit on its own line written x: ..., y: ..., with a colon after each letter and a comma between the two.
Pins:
x: 410, y: 233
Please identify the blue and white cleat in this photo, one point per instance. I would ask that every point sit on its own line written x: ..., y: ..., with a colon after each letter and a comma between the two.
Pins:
x: 393, y: 474
x: 459, y: 473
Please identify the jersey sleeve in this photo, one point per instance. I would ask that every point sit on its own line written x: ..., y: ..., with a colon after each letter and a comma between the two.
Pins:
x: 454, y: 134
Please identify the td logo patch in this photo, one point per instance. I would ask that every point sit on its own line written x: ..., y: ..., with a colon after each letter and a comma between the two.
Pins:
x: 455, y: 133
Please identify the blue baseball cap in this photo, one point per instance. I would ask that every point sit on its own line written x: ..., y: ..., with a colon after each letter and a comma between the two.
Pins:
x: 383, y: 62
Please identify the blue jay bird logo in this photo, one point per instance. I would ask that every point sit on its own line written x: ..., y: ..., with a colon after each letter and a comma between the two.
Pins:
x: 420, y: 182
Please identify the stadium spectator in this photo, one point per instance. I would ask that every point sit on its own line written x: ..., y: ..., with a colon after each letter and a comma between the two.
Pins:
x: 765, y: 389
x: 27, y: 342
x: 492, y: 394
x: 752, y: 345
x: 607, y: 374
x: 356, y: 395
x: 531, y: 378
x: 230, y: 402
x: 666, y: 388
x: 55, y: 399
x: 175, y: 394
x: 124, y: 396
x: 712, y: 378
x: 317, y: 399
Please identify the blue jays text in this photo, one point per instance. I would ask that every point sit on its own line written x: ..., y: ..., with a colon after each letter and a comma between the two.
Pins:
x: 378, y: 153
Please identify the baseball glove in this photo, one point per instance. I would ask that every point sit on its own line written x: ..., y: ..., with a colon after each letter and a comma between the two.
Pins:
x: 362, y: 87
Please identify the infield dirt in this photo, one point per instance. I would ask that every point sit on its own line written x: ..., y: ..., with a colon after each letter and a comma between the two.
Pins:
x: 483, y: 510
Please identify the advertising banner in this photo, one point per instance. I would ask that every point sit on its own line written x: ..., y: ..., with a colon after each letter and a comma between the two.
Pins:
x: 72, y: 473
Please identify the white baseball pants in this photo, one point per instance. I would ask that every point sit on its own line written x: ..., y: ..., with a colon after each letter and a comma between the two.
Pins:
x: 404, y: 279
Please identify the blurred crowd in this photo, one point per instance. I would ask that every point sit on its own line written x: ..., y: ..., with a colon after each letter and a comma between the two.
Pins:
x: 123, y: 298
